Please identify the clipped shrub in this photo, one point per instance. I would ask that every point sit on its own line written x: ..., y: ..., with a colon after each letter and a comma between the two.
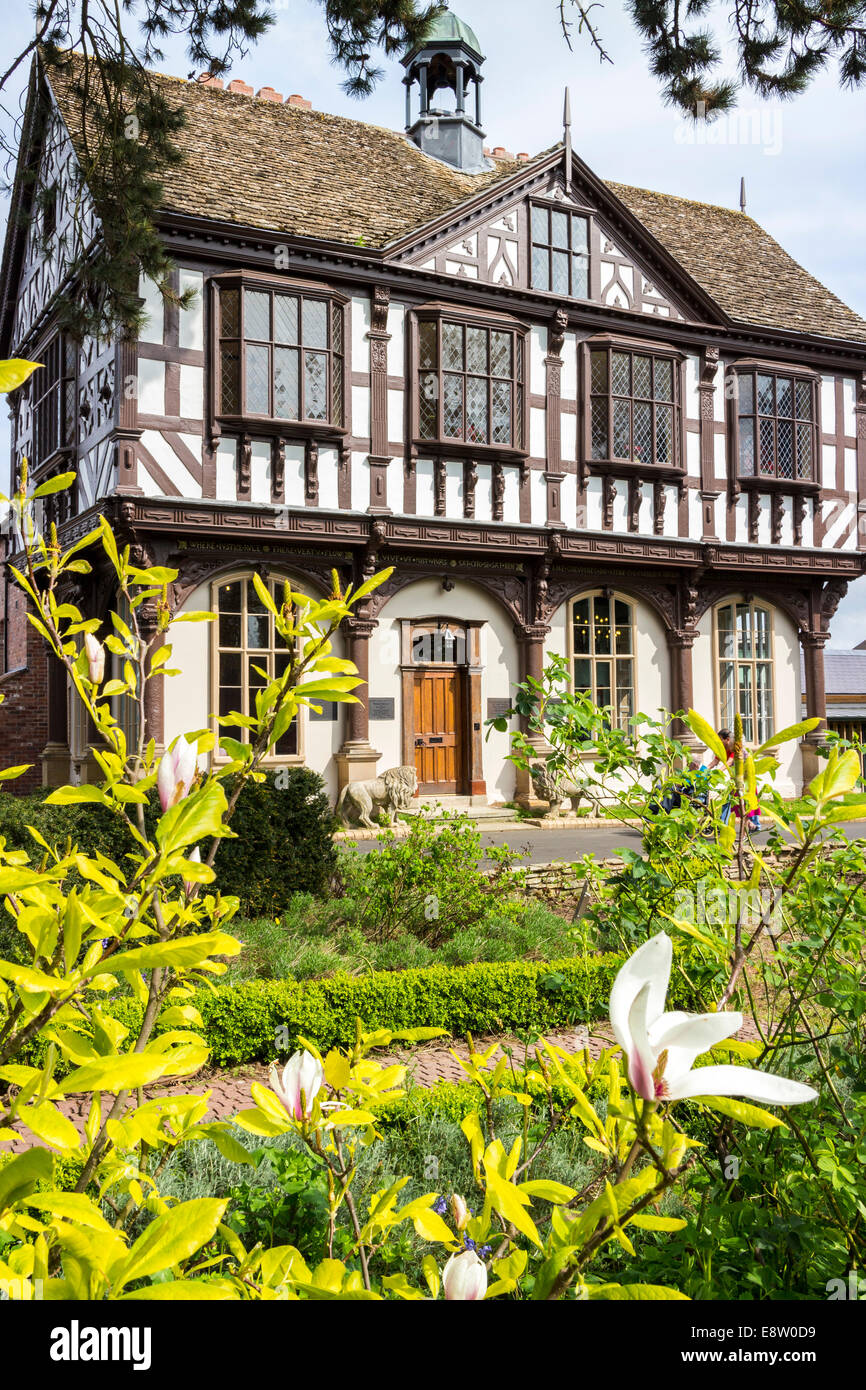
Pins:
x: 284, y: 845
x: 260, y: 1019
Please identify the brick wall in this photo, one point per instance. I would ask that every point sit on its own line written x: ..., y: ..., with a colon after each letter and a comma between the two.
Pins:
x: 24, y: 686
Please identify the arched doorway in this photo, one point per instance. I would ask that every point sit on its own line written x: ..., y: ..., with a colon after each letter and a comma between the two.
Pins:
x: 441, y: 670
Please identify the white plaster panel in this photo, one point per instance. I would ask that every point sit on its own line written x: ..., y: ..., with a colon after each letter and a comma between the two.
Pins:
x: 395, y: 486
x: 672, y: 511
x: 360, y: 327
x: 395, y: 415
x: 360, y: 492
x: 511, y: 498
x: 454, y: 504
x: 396, y: 347
x: 484, y: 493
x: 828, y: 404
x: 828, y: 466
x: 424, y: 492
x: 537, y: 354
x: 538, y: 433
x: 360, y: 423
x: 593, y: 504
x: 226, y: 470
x: 295, y: 476
x: 568, y: 499
x: 693, y: 399
x: 538, y: 497
x: 693, y: 454
x: 191, y: 392
x: 849, y: 397
x: 569, y: 369
x: 260, y: 471
x: 568, y: 429
x: 151, y: 386
x: 152, y: 329
x: 329, y: 475
x: 191, y: 327
x: 720, y: 455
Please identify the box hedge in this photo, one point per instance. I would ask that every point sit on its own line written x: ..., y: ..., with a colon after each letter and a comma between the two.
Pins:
x: 260, y: 1019
x: 284, y: 826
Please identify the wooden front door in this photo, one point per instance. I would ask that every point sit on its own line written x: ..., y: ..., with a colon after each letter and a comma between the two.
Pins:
x: 439, y: 753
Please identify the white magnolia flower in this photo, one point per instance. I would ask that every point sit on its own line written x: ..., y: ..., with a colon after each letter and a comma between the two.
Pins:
x: 95, y: 653
x: 299, y: 1084
x: 661, y: 1048
x: 464, y: 1278
x: 176, y: 773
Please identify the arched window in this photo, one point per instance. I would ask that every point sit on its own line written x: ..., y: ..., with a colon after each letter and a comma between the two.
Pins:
x: 603, y: 652
x: 744, y: 663
x: 249, y: 653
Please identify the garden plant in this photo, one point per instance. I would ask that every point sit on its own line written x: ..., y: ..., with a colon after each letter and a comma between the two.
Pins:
x: 96, y: 1217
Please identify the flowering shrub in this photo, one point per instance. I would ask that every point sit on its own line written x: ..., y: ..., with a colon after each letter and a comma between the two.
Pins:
x: 153, y: 923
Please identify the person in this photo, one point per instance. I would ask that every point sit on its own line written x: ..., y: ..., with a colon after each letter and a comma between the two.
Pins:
x: 727, y: 739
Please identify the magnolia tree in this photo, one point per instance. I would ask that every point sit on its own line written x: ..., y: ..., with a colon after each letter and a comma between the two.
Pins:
x: 152, y: 927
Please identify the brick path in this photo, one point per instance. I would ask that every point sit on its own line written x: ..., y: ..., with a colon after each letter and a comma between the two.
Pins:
x: 426, y: 1065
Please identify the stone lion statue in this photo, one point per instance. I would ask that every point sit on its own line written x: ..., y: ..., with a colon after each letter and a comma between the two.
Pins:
x: 391, y: 792
x: 554, y: 790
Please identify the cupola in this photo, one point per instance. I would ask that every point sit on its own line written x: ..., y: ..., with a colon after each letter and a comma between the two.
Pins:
x: 447, y: 60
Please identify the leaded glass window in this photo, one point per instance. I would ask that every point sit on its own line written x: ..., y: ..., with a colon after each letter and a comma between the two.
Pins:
x: 634, y: 405
x: 560, y: 252
x: 744, y: 635
x: 281, y: 356
x: 470, y: 381
x: 249, y: 655
x: 603, y: 653
x: 776, y: 425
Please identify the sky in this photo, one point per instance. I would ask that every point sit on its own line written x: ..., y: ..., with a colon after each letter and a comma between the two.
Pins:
x: 804, y: 162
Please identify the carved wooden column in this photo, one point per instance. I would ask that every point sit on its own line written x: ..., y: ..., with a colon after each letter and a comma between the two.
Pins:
x: 357, y: 759
x: 553, y: 415
x: 530, y: 638
x: 55, y: 754
x: 709, y: 489
x: 154, y: 692
x: 379, y: 457
x: 813, y: 644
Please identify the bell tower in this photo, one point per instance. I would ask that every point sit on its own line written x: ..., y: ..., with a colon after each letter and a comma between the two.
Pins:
x: 448, y: 60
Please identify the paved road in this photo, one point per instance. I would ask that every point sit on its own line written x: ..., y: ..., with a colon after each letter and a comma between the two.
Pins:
x: 570, y: 843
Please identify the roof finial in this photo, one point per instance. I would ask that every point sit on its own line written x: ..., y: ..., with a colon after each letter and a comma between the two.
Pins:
x: 742, y: 195
x: 566, y: 138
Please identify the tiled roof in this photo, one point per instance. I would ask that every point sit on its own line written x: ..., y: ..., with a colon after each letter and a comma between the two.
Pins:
x: 285, y: 169
x: 844, y: 672
x: 282, y: 168
x: 747, y: 273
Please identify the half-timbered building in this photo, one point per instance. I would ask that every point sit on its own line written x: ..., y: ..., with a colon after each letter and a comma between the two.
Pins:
x: 574, y: 416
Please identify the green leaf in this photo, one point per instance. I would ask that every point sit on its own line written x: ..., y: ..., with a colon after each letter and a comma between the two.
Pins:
x: 740, y: 1110
x: 71, y: 796
x: 548, y: 1191
x: 56, y: 484
x: 171, y: 1238
x: 632, y: 1293
x: 793, y: 731
x: 196, y: 817
x: 18, y: 1178
x: 14, y: 371
x: 182, y: 953
x: 707, y: 734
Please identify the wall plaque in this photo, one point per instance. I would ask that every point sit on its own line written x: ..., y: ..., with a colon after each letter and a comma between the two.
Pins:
x: 497, y: 708
x: 382, y: 709
x: 328, y: 712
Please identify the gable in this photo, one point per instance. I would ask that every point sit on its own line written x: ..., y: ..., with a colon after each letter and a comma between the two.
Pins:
x: 495, y: 246
x: 45, y: 264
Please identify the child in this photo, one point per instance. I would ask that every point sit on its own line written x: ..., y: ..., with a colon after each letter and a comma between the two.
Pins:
x: 727, y: 739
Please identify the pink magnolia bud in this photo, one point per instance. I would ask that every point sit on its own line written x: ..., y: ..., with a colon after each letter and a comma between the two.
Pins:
x: 194, y: 858
x: 459, y: 1211
x: 176, y: 773
x: 464, y: 1278
x: 302, y: 1078
x: 95, y: 653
